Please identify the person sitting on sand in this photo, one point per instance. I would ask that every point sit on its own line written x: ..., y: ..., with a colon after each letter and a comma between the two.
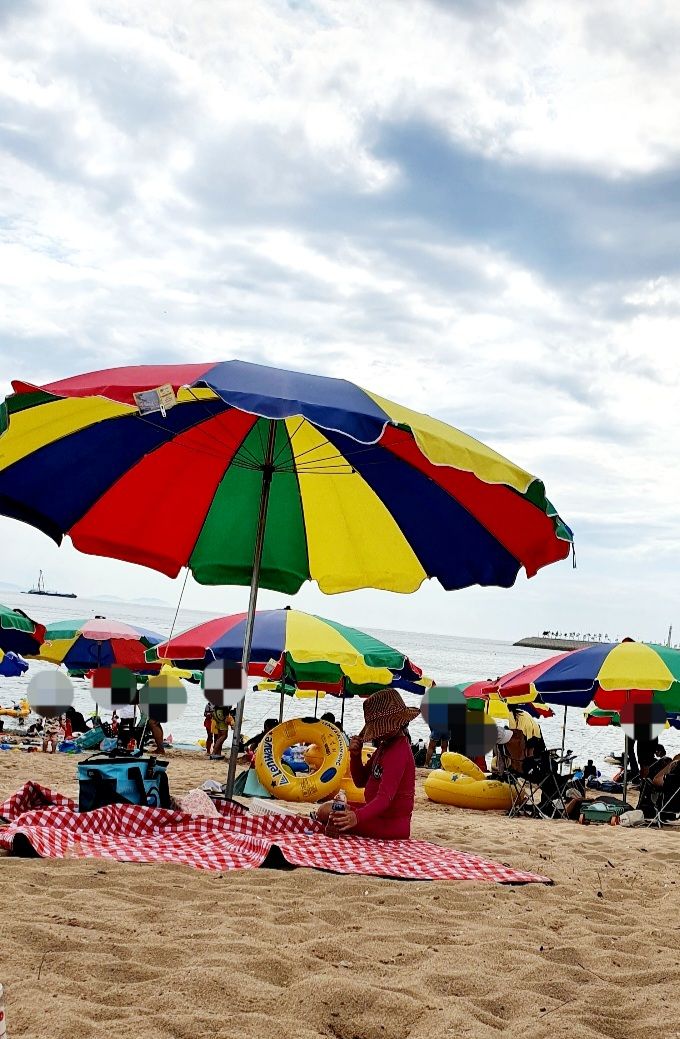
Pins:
x: 419, y: 748
x: 590, y: 772
x: 251, y: 745
x: 388, y: 777
x: 78, y: 723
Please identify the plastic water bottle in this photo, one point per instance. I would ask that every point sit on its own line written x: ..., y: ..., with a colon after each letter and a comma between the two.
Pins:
x: 339, y: 802
x: 3, y: 1017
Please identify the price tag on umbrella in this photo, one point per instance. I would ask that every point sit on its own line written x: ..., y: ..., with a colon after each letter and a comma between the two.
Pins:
x: 270, y: 666
x: 161, y: 399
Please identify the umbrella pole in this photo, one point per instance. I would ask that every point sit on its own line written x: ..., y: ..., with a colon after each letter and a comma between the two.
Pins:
x: 564, y: 734
x: 267, y: 473
x: 283, y: 693
x: 316, y: 704
x: 342, y: 711
x: 99, y: 664
x: 625, y: 770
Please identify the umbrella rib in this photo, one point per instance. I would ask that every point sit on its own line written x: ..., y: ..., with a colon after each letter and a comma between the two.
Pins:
x: 209, y: 438
x: 225, y: 443
x: 283, y: 447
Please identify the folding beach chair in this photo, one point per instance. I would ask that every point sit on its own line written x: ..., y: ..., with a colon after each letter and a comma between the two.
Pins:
x: 536, y: 786
x: 661, y: 804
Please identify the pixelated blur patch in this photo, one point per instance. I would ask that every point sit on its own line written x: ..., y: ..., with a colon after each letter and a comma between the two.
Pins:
x: 50, y: 693
x: 469, y: 732
x: 163, y: 698
x: 113, y: 687
x: 643, y: 721
x: 224, y: 683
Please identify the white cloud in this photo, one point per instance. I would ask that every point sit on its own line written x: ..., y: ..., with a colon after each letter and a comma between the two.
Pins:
x: 211, y: 180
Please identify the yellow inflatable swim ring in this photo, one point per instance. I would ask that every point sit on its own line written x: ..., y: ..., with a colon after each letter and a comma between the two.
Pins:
x: 452, y: 762
x: 22, y: 711
x: 451, y: 788
x: 355, y: 794
x: 314, y: 756
x: 313, y: 786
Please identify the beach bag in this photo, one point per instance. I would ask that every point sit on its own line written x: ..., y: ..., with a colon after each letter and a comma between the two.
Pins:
x: 125, y: 780
x: 90, y: 739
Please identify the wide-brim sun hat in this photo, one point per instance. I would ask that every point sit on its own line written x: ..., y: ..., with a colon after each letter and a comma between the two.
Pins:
x: 385, y: 713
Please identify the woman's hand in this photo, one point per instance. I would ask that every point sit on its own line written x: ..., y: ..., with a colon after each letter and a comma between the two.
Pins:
x: 355, y: 745
x: 343, y: 821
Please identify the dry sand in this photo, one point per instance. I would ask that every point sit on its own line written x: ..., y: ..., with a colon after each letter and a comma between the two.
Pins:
x: 99, y: 949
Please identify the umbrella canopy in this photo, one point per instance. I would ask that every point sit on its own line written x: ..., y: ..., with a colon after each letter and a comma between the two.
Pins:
x: 364, y: 492
x: 597, y: 716
x: 610, y: 674
x: 299, y: 648
x: 18, y: 633
x: 12, y: 665
x: 81, y: 645
x: 483, y: 696
x: 293, y: 477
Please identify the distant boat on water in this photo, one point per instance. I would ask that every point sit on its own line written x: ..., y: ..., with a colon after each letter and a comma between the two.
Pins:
x: 41, y: 590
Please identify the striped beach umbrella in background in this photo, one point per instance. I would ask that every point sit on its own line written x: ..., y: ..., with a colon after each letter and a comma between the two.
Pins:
x: 300, y: 649
x: 84, y: 645
x: 612, y: 676
x: 18, y: 633
x: 596, y: 716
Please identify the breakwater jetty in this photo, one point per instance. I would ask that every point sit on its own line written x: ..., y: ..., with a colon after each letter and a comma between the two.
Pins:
x: 559, y: 645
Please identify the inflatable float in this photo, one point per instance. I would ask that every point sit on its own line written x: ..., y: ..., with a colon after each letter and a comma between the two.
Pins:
x: 452, y: 762
x: 21, y: 711
x: 279, y: 780
x: 355, y: 794
x: 467, y: 787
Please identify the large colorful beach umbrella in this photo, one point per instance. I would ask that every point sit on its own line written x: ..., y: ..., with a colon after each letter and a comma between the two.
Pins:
x: 300, y: 649
x: 610, y: 675
x: 18, y: 633
x: 607, y: 673
x: 84, y: 645
x: 293, y: 477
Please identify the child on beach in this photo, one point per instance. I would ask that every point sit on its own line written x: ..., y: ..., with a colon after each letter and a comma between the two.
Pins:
x: 388, y: 777
x: 52, y: 735
x: 222, y: 722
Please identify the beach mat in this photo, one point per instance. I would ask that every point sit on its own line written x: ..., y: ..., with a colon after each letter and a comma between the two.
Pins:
x: 49, y: 825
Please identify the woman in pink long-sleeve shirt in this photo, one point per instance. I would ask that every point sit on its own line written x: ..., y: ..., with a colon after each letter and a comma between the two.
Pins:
x: 388, y: 777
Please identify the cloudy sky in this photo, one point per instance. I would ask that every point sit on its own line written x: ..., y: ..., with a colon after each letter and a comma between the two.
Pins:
x: 469, y: 206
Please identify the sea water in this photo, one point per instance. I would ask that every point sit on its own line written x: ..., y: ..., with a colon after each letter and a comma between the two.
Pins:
x: 445, y: 658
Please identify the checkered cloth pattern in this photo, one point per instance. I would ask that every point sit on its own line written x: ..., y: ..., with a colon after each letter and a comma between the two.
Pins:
x: 236, y: 840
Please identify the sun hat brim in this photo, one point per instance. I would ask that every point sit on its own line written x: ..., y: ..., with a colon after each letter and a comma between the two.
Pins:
x: 388, y: 724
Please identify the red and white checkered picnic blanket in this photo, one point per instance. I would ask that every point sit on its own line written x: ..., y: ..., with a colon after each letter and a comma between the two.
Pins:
x: 51, y: 824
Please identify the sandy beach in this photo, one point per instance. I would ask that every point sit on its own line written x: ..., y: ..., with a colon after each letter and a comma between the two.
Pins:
x: 93, y: 948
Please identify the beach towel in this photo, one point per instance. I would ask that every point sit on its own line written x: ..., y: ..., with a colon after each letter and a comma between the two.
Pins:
x: 48, y: 824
